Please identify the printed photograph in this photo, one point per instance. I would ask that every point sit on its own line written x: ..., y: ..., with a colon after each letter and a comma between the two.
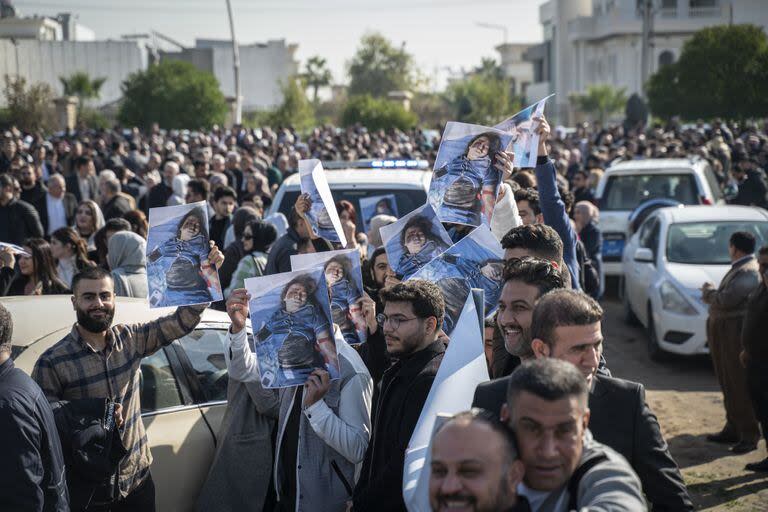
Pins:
x: 525, y: 142
x: 377, y: 205
x: 344, y: 280
x: 322, y: 214
x: 292, y: 330
x: 178, y: 270
x: 465, y: 180
x: 414, y: 240
x: 476, y: 261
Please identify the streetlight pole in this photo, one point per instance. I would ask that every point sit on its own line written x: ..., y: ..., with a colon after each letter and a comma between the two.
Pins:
x: 236, y: 58
x: 648, y: 13
x: 494, y: 26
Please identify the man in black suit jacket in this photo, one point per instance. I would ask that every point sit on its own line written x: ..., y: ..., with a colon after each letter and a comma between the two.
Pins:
x: 85, y: 173
x: 57, y: 190
x: 566, y: 325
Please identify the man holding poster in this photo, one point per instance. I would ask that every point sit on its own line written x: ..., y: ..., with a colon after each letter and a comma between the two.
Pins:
x: 323, y: 425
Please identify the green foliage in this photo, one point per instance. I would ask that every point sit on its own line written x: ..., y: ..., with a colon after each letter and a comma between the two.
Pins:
x: 432, y: 109
x: 377, y: 113
x: 378, y: 68
x: 600, y: 100
x: 80, y: 84
x: 29, y: 108
x: 481, y: 99
x: 295, y: 110
x: 489, y: 69
x: 93, y: 119
x: 174, y: 94
x: 317, y: 75
x: 722, y: 72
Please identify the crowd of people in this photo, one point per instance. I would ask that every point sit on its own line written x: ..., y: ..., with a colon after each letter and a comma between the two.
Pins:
x: 552, y: 431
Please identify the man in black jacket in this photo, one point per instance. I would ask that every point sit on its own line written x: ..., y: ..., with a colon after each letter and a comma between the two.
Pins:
x: 58, y: 207
x: 279, y: 259
x: 566, y: 326
x: 753, y: 190
x: 32, y: 464
x: 413, y: 314
x: 83, y: 183
x: 18, y: 220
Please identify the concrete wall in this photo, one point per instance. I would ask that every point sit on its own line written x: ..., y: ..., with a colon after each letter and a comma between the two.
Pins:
x: 46, y: 61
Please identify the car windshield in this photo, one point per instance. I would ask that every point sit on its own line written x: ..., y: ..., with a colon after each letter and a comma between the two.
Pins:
x: 407, y: 199
x: 706, y: 243
x: 626, y: 192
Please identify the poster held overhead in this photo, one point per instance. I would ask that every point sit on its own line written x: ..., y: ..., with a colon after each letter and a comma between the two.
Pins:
x: 178, y: 270
x: 414, y: 241
x: 462, y: 369
x: 322, y: 214
x: 292, y: 331
x: 522, y: 127
x: 377, y: 205
x: 475, y: 261
x: 465, y: 180
x: 344, y: 279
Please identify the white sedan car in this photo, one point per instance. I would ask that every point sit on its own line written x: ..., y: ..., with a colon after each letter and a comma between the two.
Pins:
x: 673, y: 253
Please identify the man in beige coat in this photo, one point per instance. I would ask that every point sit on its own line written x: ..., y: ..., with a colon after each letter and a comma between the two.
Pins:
x: 726, y: 315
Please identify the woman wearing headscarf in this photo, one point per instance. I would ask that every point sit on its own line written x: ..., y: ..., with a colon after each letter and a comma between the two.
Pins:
x: 586, y: 217
x: 235, y: 251
x: 128, y: 261
x: 257, y: 238
x: 179, y: 188
x: 88, y: 220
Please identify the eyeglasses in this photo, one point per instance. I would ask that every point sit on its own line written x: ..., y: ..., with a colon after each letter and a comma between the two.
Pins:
x: 394, y: 321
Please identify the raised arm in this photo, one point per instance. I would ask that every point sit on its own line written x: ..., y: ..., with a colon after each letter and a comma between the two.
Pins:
x: 241, y: 361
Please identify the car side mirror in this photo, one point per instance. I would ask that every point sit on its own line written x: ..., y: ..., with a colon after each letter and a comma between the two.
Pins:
x: 643, y: 254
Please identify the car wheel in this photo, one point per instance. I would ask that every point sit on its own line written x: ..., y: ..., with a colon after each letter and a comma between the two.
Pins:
x: 629, y: 316
x: 655, y: 352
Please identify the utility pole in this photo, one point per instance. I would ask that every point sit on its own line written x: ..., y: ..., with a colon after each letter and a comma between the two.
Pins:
x: 236, y: 58
x: 647, y: 11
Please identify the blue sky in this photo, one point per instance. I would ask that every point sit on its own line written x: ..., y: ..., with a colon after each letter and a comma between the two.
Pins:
x: 440, y: 34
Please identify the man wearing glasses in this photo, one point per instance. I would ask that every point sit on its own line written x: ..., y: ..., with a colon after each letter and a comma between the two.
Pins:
x: 413, y: 314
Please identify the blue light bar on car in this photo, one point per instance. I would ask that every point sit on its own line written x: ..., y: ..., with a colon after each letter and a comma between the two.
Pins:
x: 400, y: 164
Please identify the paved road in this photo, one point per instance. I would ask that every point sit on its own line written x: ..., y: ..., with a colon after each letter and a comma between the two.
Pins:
x: 685, y: 396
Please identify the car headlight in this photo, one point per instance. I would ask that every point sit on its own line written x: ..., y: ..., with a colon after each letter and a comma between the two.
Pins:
x: 674, y: 301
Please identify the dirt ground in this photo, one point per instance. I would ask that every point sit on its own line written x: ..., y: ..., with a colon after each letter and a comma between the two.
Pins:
x: 685, y: 396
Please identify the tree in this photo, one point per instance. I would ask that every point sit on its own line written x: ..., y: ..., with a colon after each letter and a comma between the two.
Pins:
x: 489, y: 69
x: 29, y: 108
x: 377, y: 114
x: 378, y: 68
x: 480, y: 99
x: 80, y: 84
x: 317, y: 75
x: 174, y: 94
x: 295, y: 109
x: 600, y: 101
x: 721, y: 72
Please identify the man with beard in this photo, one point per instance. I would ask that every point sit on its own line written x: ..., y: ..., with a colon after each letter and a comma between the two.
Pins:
x: 525, y: 280
x: 413, y: 313
x: 100, y: 360
x: 475, y: 465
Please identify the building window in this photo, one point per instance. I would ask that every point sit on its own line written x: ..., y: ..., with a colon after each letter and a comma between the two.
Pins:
x: 702, y: 3
x: 666, y: 58
x: 704, y: 8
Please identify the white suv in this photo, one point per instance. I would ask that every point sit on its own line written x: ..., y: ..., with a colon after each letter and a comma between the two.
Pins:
x: 408, y: 180
x: 626, y: 185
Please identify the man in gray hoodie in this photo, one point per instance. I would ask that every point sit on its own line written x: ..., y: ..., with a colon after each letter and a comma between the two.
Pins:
x: 565, y: 468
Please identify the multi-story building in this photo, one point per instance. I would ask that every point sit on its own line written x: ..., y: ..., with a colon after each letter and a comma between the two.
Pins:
x: 515, y: 68
x: 600, y: 42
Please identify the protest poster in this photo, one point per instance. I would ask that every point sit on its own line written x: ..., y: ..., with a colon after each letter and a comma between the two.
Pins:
x: 522, y: 127
x: 344, y: 279
x: 462, y: 369
x: 372, y: 206
x: 465, y: 180
x: 292, y: 331
x: 475, y: 261
x: 322, y: 214
x: 178, y: 271
x: 414, y: 240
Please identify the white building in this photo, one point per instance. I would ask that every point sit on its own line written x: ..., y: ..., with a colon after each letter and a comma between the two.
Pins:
x: 518, y: 70
x: 263, y: 66
x: 599, y: 42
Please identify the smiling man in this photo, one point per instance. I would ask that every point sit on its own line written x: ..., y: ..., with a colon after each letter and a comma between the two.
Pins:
x: 565, y: 469
x: 566, y: 325
x: 98, y: 360
x: 475, y: 466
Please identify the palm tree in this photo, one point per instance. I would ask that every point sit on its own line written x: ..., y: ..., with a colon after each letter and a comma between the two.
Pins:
x: 317, y: 75
x: 600, y: 100
x: 80, y: 84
